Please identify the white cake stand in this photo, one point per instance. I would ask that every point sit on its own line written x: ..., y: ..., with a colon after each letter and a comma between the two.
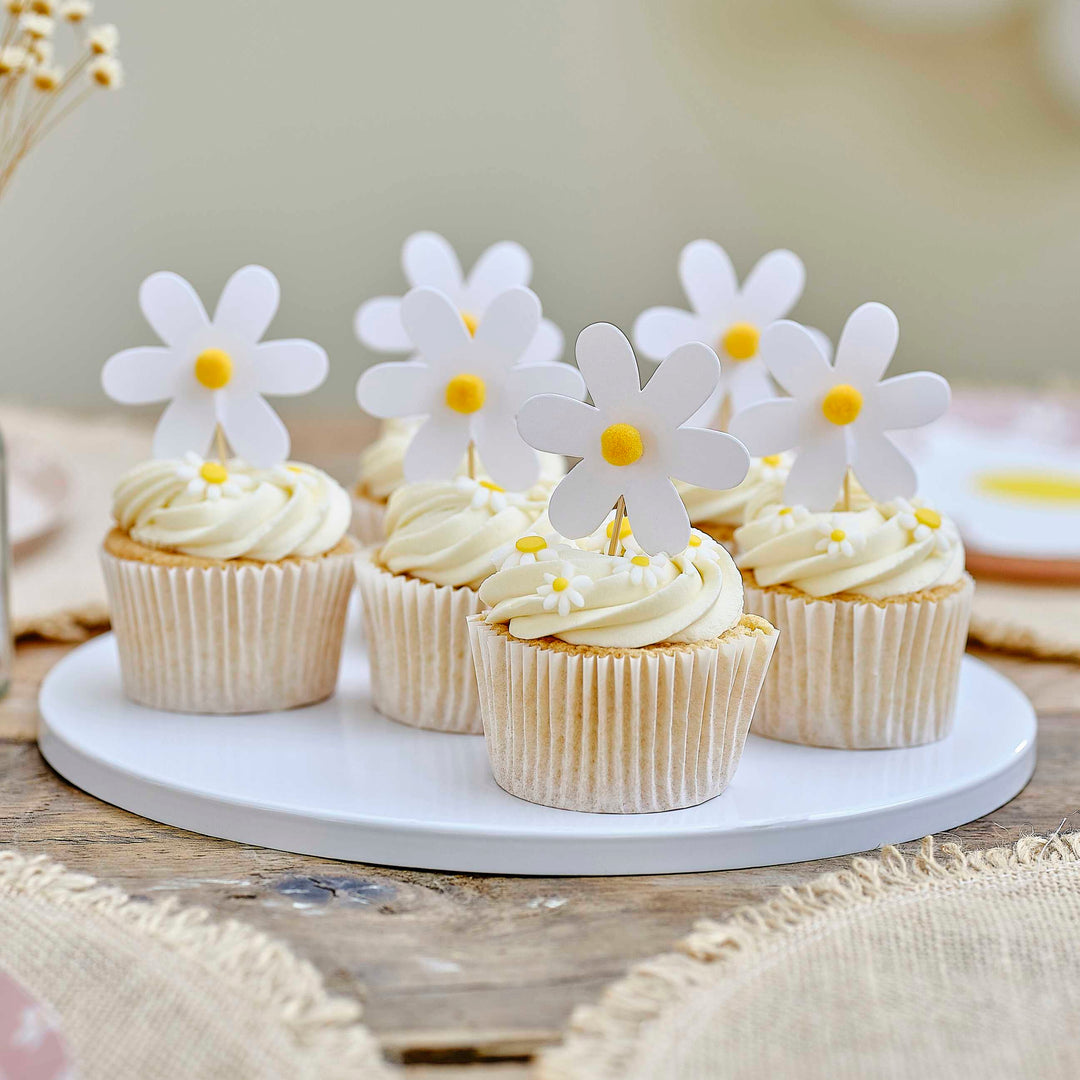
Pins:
x: 338, y: 780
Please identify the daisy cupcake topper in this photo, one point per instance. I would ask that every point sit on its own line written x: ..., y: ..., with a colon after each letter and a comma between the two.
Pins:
x: 838, y: 415
x: 429, y: 260
x: 468, y: 384
x: 215, y: 371
x: 726, y: 315
x: 632, y: 441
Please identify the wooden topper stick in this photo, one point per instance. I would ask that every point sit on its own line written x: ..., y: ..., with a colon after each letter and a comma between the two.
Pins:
x: 472, y: 460
x: 616, y: 526
x: 847, y: 488
x: 220, y: 445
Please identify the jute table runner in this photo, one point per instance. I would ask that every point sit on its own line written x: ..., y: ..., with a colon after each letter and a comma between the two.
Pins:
x: 150, y: 991
x: 940, y: 965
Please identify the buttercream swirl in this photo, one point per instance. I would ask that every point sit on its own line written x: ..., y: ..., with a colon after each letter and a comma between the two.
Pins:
x: 877, y: 550
x: 763, y: 483
x: 382, y: 462
x: 204, y: 509
x: 590, y: 598
x: 446, y: 532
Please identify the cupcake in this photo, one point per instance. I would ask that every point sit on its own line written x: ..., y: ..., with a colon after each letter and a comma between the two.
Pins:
x: 720, y: 513
x: 618, y: 683
x: 228, y: 585
x: 873, y: 605
x: 382, y: 472
x: 420, y: 586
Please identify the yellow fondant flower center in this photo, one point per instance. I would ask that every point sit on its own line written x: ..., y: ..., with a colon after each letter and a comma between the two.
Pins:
x: 740, y: 341
x: 471, y: 322
x: 465, y: 393
x: 842, y: 404
x: 621, y: 444
x: 838, y: 536
x: 490, y: 486
x: 772, y: 460
x: 559, y: 584
x: 213, y: 368
x: 640, y: 560
x: 930, y: 518
x: 213, y: 473
x: 695, y: 541
x: 624, y: 528
x: 784, y: 510
x: 530, y: 545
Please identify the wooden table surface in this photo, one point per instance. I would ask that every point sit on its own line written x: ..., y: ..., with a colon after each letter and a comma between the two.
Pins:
x: 460, y: 975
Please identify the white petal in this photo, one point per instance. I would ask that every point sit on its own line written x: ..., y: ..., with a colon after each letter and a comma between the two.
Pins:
x: 582, y: 499
x: 661, y: 330
x: 707, y: 459
x: 770, y: 427
x: 248, y: 303
x: 290, y: 366
x: 656, y: 512
x: 879, y: 466
x: 607, y: 361
x: 824, y: 342
x: 708, y: 279
x: 187, y: 424
x: 560, y: 425
x: 437, y: 447
x: 428, y: 259
x: 682, y: 383
x: 908, y: 401
x: 507, y: 459
x: 397, y: 388
x: 508, y: 326
x: 501, y: 267
x: 254, y: 430
x: 533, y: 379
x: 378, y: 325
x: 434, y: 325
x: 546, y: 346
x: 141, y: 375
x: 771, y: 289
x: 795, y: 360
x: 866, y: 345
x: 749, y: 383
x: 172, y: 307
x: 818, y: 472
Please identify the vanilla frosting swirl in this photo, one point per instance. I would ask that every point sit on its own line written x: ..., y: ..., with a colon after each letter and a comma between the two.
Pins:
x: 382, y: 462
x: 695, y: 596
x: 884, y: 551
x: 261, y: 514
x: 445, y: 532
x: 763, y: 483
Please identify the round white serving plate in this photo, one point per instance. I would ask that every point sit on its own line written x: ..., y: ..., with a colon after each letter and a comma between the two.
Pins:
x: 338, y: 780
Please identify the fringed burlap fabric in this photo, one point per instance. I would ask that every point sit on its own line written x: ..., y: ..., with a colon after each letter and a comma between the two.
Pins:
x: 150, y: 991
x: 939, y: 965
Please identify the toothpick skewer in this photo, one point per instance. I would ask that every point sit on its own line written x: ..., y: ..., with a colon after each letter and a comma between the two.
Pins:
x: 221, y: 447
x: 847, y: 488
x: 616, y: 526
x: 472, y: 460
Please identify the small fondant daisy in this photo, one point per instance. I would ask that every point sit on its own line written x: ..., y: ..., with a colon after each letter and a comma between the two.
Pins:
x: 564, y: 589
x: 642, y: 568
x: 211, y: 479
x: 700, y: 549
x: 923, y: 522
x: 773, y: 467
x: 485, y: 494
x: 837, y: 541
x: 783, y: 519
x: 530, y: 548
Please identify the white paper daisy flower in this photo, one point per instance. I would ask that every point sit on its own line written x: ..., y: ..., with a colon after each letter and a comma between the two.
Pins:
x: 563, y: 589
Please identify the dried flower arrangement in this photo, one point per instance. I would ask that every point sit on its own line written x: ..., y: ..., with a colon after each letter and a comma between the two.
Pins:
x: 36, y: 93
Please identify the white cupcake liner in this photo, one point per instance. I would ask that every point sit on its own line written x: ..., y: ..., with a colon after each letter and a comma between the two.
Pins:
x: 367, y: 520
x: 618, y: 732
x: 418, y: 643
x: 229, y: 639
x: 861, y: 675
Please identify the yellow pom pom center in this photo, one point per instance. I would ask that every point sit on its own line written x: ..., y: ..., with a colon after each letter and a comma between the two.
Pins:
x: 624, y: 528
x: 559, y: 584
x: 621, y: 444
x: 842, y: 404
x: 740, y: 341
x: 530, y: 545
x: 214, y: 473
x: 471, y: 322
x: 640, y: 560
x: 465, y: 393
x: 930, y: 518
x: 838, y: 535
x: 213, y: 368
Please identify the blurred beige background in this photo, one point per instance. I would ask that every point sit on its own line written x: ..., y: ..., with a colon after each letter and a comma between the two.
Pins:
x: 934, y: 172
